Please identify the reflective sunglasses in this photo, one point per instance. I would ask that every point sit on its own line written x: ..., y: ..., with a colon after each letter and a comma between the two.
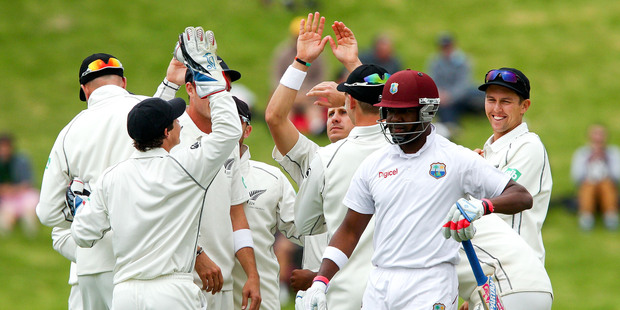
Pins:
x: 244, y: 119
x: 373, y: 79
x: 507, y: 76
x: 99, y: 64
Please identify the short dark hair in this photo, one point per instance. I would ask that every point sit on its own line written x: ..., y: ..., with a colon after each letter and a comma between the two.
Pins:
x: 144, y: 146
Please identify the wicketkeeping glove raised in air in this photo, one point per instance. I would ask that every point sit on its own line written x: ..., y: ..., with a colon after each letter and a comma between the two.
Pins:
x: 458, y: 222
x: 76, y: 196
x: 198, y: 53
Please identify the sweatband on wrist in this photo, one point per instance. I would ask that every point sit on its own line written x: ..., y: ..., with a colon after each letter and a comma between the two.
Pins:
x: 243, y: 239
x: 170, y: 84
x: 488, y: 206
x: 307, y: 64
x: 200, y: 251
x: 293, y: 78
x: 321, y: 279
x: 336, y: 255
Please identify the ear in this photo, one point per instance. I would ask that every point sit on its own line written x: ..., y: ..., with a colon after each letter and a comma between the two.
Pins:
x: 124, y: 83
x: 189, y: 88
x: 352, y: 102
x: 525, y: 105
x: 248, y: 130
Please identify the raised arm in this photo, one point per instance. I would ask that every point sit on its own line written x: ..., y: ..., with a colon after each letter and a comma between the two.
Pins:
x: 310, y: 44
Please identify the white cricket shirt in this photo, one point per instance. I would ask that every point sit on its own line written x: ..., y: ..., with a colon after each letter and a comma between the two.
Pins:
x: 522, y: 155
x: 269, y: 209
x: 216, y: 234
x: 410, y: 195
x: 153, y: 201
x: 95, y: 139
x: 297, y: 161
x: 320, y: 200
x: 502, y: 252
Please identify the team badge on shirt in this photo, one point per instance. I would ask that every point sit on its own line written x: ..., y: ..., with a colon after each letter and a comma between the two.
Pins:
x: 254, y: 194
x: 438, y: 170
x: 513, y: 173
x: 439, y: 306
x: 393, y: 88
x: 228, y: 165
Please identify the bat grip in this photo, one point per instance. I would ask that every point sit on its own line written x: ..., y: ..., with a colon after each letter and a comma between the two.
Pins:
x: 474, y: 263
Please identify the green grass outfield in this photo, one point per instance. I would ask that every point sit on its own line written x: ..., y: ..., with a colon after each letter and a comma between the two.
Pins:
x: 569, y: 49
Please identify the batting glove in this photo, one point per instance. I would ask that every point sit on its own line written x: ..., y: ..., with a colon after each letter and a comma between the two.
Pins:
x: 299, y: 300
x: 76, y: 196
x: 461, y: 215
x: 315, y: 298
x: 198, y: 53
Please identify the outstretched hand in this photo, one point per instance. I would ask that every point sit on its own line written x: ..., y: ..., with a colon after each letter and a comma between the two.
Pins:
x: 345, y: 47
x: 310, y: 42
x: 327, y: 90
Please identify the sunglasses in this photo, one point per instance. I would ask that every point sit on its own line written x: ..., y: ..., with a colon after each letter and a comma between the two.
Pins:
x: 373, y: 79
x: 99, y: 64
x: 507, y: 76
x: 244, y: 119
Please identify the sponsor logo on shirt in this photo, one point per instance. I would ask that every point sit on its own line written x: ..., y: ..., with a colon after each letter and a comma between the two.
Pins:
x: 439, y: 306
x: 513, y: 173
x: 438, y: 170
x: 195, y: 145
x: 386, y: 174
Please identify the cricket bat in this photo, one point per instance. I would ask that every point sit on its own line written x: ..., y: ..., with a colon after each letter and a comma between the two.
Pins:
x: 486, y: 288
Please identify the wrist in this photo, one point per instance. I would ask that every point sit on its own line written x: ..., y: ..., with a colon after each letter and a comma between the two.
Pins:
x: 199, y: 251
x: 299, y: 66
x: 293, y: 77
x: 488, y: 206
x: 303, y: 62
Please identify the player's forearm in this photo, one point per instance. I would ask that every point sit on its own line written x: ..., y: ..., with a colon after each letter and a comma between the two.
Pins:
x: 63, y: 243
x: 246, y: 259
x: 514, y: 199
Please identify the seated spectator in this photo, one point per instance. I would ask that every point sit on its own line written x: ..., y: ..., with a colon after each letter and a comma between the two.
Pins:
x: 596, y: 171
x: 382, y: 53
x: 18, y: 198
x: 451, y: 71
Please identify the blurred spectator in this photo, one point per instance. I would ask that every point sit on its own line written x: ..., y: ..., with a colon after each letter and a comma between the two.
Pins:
x: 382, y: 53
x: 307, y: 117
x: 18, y: 198
x: 596, y: 171
x: 451, y: 71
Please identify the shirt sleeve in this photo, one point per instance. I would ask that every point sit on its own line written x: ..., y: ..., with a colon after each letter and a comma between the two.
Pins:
x: 309, y: 217
x: 481, y: 179
x: 53, y: 187
x: 63, y: 243
x: 286, y: 212
x: 297, y: 161
x: 91, y: 220
x: 526, y: 163
x: 239, y: 192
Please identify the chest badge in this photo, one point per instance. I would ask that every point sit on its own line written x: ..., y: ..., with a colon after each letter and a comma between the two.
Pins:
x: 438, y: 170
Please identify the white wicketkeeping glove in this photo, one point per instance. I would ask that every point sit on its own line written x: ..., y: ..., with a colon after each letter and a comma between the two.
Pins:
x: 198, y: 53
x: 315, y: 298
x: 76, y: 196
x: 458, y: 220
x: 299, y: 301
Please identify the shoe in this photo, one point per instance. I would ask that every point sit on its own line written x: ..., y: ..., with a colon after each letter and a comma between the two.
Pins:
x: 586, y: 222
x: 611, y: 221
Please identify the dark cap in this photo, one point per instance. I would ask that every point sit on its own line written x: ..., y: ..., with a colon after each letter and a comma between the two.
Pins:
x: 234, y: 75
x: 409, y: 89
x: 364, y: 87
x: 521, y: 87
x: 97, y: 65
x: 148, y: 119
x: 243, y: 109
x: 445, y: 39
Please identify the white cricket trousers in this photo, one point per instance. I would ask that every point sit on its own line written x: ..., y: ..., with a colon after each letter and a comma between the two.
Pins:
x: 175, y: 291
x: 96, y: 290
x: 434, y: 288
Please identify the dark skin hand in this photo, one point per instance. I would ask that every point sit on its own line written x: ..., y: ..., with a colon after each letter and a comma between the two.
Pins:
x: 301, y: 279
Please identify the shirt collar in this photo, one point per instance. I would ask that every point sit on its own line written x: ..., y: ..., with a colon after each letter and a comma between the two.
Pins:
x: 361, y: 131
x: 156, y: 152
x: 244, y: 162
x: 396, y: 150
x: 507, y: 138
x: 105, y: 92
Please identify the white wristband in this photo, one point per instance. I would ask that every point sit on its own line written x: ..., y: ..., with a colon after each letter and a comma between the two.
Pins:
x: 336, y: 255
x: 293, y: 78
x: 243, y: 239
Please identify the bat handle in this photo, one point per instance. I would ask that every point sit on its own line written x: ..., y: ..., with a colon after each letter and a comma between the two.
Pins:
x: 473, y: 261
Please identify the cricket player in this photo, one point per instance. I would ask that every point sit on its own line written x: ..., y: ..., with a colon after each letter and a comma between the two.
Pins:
x: 153, y: 201
x: 320, y: 197
x: 294, y: 151
x: 224, y: 230
x: 519, y: 275
x: 516, y: 151
x: 94, y: 139
x: 410, y: 186
x: 269, y: 209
